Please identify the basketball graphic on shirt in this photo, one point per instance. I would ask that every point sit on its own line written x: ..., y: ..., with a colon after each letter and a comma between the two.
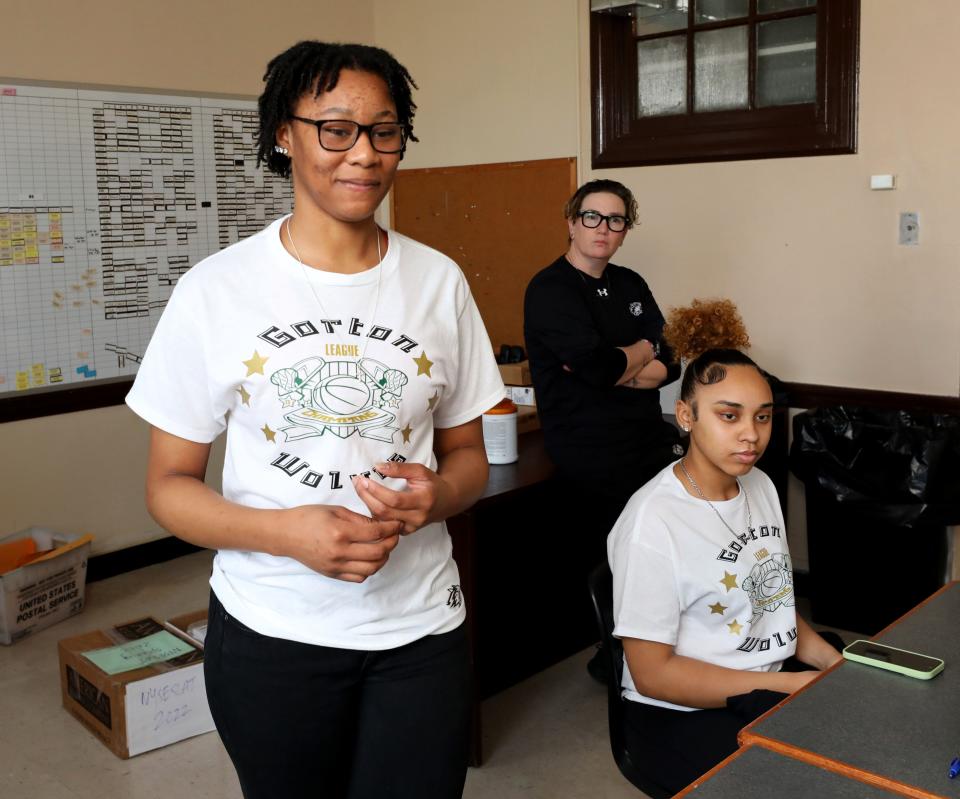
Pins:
x: 342, y: 395
x: 342, y: 398
x: 770, y: 585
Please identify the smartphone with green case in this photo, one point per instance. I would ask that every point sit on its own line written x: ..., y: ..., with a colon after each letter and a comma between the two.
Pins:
x: 902, y: 661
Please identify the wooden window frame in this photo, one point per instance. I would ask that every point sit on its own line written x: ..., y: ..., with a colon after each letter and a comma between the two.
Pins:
x: 827, y: 127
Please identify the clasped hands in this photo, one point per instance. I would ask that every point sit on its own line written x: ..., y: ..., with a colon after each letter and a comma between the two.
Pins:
x: 346, y: 545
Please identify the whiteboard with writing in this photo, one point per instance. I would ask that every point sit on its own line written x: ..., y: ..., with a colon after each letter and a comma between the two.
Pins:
x: 166, y: 708
x: 106, y: 199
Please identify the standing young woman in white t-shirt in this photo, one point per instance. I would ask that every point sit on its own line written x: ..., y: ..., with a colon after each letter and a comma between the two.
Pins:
x: 349, y: 367
x: 703, y: 586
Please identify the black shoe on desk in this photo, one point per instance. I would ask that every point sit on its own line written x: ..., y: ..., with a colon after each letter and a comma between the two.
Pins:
x: 599, y: 666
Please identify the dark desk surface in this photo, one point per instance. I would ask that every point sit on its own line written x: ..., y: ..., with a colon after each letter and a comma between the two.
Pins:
x: 878, y: 725
x: 532, y: 467
x: 757, y: 773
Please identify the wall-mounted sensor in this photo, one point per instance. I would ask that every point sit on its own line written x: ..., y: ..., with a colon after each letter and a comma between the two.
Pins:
x: 883, y: 182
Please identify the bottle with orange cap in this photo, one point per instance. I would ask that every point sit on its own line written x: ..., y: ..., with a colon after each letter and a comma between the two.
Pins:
x: 500, y: 432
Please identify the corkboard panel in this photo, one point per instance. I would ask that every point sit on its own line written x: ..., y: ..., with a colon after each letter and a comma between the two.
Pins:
x: 502, y: 223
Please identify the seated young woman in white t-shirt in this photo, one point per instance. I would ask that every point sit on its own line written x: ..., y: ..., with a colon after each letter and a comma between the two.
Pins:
x: 703, y: 586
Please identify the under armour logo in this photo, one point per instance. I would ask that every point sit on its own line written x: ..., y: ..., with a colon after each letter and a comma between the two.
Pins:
x: 454, y: 597
x: 602, y: 293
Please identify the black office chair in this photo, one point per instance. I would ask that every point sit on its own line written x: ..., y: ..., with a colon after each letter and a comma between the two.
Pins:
x: 601, y: 592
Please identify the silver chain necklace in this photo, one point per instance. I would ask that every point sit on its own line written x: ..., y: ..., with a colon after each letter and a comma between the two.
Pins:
x: 746, y: 499
x: 601, y: 292
x: 306, y: 277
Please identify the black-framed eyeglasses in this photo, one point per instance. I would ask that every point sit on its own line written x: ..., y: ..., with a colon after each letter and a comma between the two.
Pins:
x: 339, y: 135
x: 615, y: 222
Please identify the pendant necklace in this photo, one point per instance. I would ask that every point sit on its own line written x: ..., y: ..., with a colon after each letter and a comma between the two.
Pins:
x: 746, y: 499
x: 306, y: 277
x: 601, y: 292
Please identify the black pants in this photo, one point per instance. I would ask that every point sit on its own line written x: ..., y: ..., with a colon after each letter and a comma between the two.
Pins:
x: 674, y: 747
x: 304, y: 722
x: 597, y: 498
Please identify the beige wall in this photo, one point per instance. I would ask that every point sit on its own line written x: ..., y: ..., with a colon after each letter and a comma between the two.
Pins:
x: 498, y: 79
x: 804, y: 248
x: 83, y: 472
x: 215, y: 46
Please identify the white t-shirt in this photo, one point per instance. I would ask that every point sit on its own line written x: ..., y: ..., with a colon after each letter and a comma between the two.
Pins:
x: 681, y: 578
x: 317, y: 376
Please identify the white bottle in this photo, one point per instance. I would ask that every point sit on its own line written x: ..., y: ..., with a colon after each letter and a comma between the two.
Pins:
x: 500, y: 432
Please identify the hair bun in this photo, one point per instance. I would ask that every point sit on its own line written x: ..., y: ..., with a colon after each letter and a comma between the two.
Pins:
x: 705, y: 325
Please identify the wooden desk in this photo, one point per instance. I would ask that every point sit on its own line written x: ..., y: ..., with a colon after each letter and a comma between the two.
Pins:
x: 877, y: 726
x: 512, y: 491
x: 754, y: 772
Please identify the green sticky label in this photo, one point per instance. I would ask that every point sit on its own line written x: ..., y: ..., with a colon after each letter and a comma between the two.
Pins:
x: 137, y: 654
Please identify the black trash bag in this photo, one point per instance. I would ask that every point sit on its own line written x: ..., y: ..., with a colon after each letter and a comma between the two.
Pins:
x: 895, y: 466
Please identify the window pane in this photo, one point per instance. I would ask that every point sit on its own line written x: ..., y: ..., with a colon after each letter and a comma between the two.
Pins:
x: 769, y: 6
x: 660, y: 16
x: 714, y: 10
x: 662, y: 76
x: 787, y: 61
x: 720, y: 59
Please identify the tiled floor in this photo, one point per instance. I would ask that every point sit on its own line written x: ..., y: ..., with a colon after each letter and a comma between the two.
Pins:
x: 546, y: 737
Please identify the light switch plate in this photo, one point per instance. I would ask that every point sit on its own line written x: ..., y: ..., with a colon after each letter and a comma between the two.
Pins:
x: 909, y: 228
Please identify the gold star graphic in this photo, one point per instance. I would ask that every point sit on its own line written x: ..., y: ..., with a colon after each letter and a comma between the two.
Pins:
x: 255, y: 364
x: 718, y: 608
x: 270, y: 434
x: 244, y: 396
x: 423, y: 365
x: 433, y: 401
x: 735, y: 627
x: 729, y: 580
x: 406, y: 434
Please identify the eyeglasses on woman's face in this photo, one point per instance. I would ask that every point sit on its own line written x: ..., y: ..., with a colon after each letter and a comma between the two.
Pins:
x: 592, y: 219
x: 339, y: 135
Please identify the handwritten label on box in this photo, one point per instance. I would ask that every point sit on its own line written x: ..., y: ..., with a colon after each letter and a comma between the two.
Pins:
x: 166, y: 708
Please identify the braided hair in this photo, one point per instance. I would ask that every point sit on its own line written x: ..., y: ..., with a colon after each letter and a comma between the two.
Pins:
x: 312, y: 66
x: 710, y: 367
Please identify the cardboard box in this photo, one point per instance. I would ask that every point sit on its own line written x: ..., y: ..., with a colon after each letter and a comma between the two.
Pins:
x: 143, y: 708
x: 48, y: 588
x: 193, y: 625
x: 527, y: 419
x: 516, y: 374
x: 521, y: 395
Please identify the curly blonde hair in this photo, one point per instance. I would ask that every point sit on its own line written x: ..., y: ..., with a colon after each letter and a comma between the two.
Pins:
x: 704, y: 325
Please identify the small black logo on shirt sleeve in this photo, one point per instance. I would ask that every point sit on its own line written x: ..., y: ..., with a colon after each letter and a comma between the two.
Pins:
x: 454, y: 597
